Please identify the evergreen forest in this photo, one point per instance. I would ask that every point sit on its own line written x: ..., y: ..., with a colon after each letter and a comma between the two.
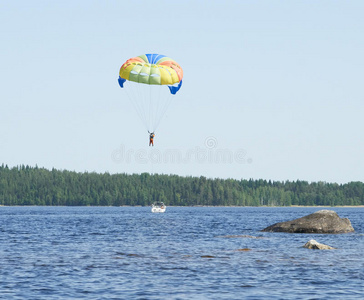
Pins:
x: 25, y: 185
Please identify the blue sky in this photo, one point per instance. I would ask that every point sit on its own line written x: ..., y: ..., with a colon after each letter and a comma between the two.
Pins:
x: 271, y: 89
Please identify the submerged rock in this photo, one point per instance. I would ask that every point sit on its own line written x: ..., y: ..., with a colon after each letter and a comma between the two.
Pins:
x: 322, y: 221
x: 312, y: 244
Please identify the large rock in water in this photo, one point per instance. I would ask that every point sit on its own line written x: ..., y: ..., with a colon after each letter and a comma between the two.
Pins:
x: 322, y: 221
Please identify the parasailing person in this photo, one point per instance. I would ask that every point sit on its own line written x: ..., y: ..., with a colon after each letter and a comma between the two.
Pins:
x: 151, y: 138
x: 145, y: 78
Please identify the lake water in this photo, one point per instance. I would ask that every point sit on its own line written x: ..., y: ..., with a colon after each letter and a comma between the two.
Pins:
x: 185, y: 253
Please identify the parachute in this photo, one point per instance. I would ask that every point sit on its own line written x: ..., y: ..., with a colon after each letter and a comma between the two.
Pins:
x: 145, y: 79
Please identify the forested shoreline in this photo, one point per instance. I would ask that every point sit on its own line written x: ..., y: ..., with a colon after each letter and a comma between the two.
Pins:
x: 25, y: 185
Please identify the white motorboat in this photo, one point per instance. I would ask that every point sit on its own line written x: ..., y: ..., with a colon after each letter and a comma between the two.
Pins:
x: 158, y: 207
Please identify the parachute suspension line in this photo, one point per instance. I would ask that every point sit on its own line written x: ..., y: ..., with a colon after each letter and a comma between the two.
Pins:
x: 132, y: 93
x: 144, y: 102
x: 147, y: 105
x: 141, y: 100
x: 163, y: 110
x: 151, y: 115
x: 156, y: 106
x: 151, y: 103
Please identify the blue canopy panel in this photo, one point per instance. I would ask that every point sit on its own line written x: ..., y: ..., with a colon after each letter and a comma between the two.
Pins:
x: 121, y: 81
x: 153, y: 58
x: 175, y: 89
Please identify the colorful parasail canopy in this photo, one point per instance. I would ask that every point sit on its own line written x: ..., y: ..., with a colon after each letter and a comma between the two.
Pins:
x: 152, y: 69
